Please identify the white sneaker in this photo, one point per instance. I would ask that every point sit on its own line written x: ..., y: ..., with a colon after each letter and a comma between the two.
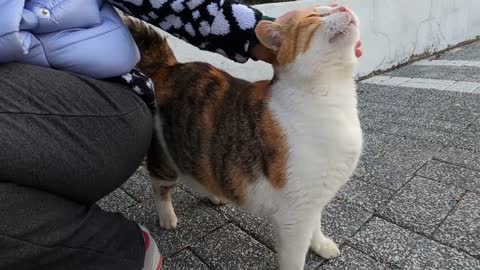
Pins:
x: 153, y: 259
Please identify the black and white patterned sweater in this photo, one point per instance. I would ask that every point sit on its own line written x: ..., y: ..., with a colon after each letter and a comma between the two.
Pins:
x: 222, y: 26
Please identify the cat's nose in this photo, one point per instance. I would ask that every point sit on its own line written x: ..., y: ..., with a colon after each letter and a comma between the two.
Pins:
x: 343, y: 9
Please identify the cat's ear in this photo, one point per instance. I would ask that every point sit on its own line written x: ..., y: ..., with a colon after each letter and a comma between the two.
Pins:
x: 270, y: 34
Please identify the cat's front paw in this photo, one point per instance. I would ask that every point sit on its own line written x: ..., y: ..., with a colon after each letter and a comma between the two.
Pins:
x: 167, y: 218
x: 326, y: 248
x: 217, y: 200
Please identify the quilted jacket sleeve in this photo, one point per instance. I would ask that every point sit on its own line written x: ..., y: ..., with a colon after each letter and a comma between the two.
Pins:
x: 13, y: 43
x: 221, y: 26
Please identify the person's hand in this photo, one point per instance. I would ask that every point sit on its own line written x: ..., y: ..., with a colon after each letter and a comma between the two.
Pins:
x: 261, y: 52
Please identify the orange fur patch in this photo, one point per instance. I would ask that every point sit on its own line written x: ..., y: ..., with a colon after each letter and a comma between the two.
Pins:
x: 240, y: 184
x: 207, y: 177
x: 299, y: 34
x: 260, y: 92
x: 276, y: 142
x: 162, y: 88
x: 208, y: 115
x: 217, y: 128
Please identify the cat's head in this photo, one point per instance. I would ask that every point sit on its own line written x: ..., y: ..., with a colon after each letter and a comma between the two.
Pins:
x: 316, y: 36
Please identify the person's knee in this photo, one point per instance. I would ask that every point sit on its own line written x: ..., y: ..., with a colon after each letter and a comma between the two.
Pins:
x: 81, y: 139
x: 125, y: 150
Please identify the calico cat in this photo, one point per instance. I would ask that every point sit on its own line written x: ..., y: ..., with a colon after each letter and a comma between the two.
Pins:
x: 281, y: 148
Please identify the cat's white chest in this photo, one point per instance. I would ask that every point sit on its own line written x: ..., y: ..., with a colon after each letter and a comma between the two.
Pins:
x: 325, y: 139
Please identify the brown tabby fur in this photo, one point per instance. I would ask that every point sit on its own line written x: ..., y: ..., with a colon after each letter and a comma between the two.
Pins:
x: 216, y: 128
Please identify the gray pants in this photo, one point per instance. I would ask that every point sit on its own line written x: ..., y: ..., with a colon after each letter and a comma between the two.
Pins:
x: 66, y: 141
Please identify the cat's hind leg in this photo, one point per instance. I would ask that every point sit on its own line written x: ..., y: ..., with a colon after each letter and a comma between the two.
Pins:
x: 163, y: 177
x: 162, y: 190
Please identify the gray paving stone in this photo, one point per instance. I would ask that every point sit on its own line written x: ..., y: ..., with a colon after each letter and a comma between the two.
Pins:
x: 341, y: 220
x: 361, y: 169
x: 402, y: 248
x: 387, y: 173
x: 373, y: 123
x: 390, y: 95
x: 464, y: 101
x: 429, y: 255
x: 376, y: 144
x: 231, y: 248
x: 368, y: 107
x: 352, y: 259
x: 365, y: 195
x: 475, y: 126
x: 258, y: 227
x: 451, y: 175
x: 468, y: 140
x: 468, y: 74
x: 401, y: 96
x: 470, y: 52
x: 426, y: 133
x: 117, y: 201
x: 429, y: 123
x: 458, y: 114
x: 421, y: 205
x: 397, y: 166
x: 313, y: 261
x: 138, y: 186
x: 395, y: 102
x: 195, y: 220
x: 462, y: 228
x: 428, y: 83
x: 384, y: 241
x: 461, y: 157
x: 366, y: 90
x: 373, y: 116
x: 184, y: 260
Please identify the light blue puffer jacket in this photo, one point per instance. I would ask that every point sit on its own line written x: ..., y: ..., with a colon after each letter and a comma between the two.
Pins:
x: 81, y: 36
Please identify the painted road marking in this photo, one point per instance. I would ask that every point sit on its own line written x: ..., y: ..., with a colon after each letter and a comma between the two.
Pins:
x: 452, y: 63
x: 447, y: 85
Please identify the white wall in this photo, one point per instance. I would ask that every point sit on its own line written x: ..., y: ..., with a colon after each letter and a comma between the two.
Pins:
x: 392, y: 32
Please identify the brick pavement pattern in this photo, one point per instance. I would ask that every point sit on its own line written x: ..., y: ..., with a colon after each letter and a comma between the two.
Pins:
x: 413, y: 203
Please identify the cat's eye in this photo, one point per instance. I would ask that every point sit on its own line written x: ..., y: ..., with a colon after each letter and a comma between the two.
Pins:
x: 318, y: 15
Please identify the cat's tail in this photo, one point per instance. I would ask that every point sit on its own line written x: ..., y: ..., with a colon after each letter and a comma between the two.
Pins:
x: 154, y: 49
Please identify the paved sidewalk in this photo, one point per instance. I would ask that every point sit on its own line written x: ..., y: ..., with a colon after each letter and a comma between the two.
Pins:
x: 413, y: 203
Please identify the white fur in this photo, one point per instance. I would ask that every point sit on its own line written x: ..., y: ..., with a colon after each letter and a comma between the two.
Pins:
x: 314, y: 100
x: 166, y: 213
